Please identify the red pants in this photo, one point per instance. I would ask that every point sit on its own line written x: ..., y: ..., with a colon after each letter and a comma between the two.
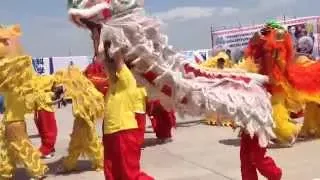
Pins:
x: 253, y: 158
x: 141, y: 120
x: 162, y: 120
x: 122, y: 154
x: 47, y: 127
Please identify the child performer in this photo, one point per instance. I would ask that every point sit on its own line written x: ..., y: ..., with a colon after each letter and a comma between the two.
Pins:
x: 122, y: 137
x: 46, y: 121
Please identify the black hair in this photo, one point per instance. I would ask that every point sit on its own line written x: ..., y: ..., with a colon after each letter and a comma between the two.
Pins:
x: 91, y: 25
x: 221, y: 60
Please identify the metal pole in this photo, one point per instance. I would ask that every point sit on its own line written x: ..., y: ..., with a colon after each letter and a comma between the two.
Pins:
x: 70, y: 52
x: 212, y: 41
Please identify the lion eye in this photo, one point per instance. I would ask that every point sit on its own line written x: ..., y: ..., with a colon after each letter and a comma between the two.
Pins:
x: 4, y: 41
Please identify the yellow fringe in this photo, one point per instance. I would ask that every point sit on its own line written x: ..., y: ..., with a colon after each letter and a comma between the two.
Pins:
x: 311, y: 124
x: 249, y: 65
x: 212, y: 62
x: 87, y: 101
x: 224, y: 122
x: 23, y: 151
x: 6, y: 167
x: 285, y: 129
x: 84, y: 142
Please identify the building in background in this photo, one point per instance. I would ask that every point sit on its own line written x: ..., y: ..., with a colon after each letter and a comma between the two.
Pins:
x: 197, y: 56
x: 49, y: 65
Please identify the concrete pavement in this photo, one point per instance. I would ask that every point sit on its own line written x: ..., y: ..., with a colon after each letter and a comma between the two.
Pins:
x: 198, y: 152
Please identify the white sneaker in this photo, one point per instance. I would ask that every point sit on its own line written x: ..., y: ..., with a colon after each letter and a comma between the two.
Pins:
x: 48, y: 156
x: 38, y: 178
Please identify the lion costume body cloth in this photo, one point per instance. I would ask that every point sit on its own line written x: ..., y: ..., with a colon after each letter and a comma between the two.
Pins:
x: 212, y: 64
x: 293, y: 82
x: 183, y: 85
x: 22, y: 88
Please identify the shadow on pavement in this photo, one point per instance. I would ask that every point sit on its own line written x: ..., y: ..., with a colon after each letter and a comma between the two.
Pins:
x: 83, y: 166
x: 183, y: 124
x: 230, y: 142
x: 189, y: 123
x: 150, y: 142
x: 34, y: 136
x: 21, y: 174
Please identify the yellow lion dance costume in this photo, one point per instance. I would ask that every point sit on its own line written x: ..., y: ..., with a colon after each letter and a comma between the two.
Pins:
x: 87, y: 108
x: 22, y: 91
x: 15, y: 145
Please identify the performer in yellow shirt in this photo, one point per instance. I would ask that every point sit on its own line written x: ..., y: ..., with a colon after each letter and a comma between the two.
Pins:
x: 122, y: 137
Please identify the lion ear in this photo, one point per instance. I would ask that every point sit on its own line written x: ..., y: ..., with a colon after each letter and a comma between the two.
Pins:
x: 16, y: 30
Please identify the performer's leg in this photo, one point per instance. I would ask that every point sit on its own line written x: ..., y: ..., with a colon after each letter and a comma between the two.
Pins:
x: 248, y: 170
x: 141, y: 120
x: 265, y: 164
x: 94, y: 148
x: 212, y: 120
x: 6, y: 165
x: 48, y: 131
x: 1, y: 104
x: 76, y: 145
x: 164, y: 121
x: 173, y: 119
x: 122, y: 156
x: 21, y: 149
x: 310, y: 126
x: 108, y: 151
x: 153, y: 123
x: 285, y: 130
x: 150, y: 113
x: 317, y: 121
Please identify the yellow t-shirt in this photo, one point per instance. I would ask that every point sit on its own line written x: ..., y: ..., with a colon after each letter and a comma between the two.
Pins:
x: 140, y: 103
x: 121, y: 103
x: 14, y: 109
x: 44, y: 102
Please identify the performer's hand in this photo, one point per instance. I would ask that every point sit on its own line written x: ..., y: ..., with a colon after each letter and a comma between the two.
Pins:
x: 119, y: 59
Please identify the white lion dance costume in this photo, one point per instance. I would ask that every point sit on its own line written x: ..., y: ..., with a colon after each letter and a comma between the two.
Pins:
x: 237, y: 94
x: 212, y: 64
x: 22, y: 88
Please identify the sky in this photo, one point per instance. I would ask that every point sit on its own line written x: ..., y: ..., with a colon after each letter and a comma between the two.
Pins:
x: 48, y: 32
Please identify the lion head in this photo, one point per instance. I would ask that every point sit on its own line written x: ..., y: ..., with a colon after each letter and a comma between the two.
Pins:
x: 98, y: 11
x: 9, y: 41
x: 271, y: 48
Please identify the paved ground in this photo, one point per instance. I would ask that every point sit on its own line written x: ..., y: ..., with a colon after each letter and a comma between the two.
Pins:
x: 198, y: 152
